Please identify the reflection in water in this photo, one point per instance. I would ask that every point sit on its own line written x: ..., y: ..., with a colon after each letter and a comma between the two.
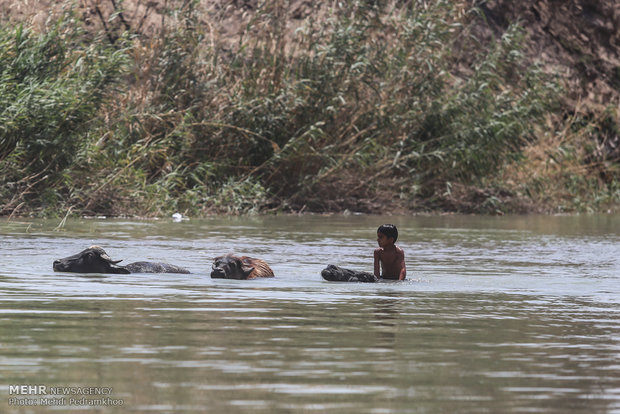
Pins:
x: 499, y: 315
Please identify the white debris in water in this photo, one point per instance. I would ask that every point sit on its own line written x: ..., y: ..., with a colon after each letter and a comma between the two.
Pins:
x: 177, y: 217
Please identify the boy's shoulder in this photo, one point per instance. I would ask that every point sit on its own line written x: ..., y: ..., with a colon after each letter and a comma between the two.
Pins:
x: 397, y: 251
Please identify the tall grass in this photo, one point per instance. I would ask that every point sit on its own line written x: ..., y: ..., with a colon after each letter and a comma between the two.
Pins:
x: 365, y: 104
x: 51, y: 88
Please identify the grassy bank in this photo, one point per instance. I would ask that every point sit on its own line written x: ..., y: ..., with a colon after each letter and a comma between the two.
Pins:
x: 364, y: 107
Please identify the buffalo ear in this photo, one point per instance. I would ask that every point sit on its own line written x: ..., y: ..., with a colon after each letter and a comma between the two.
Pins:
x: 247, y: 270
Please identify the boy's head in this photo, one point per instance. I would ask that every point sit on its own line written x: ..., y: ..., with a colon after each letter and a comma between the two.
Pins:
x: 389, y: 230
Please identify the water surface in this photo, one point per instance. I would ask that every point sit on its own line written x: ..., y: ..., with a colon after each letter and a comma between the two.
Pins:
x: 506, y: 314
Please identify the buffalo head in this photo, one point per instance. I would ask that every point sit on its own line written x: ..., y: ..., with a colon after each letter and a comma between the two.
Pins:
x: 235, y: 267
x: 91, y: 260
x: 339, y: 274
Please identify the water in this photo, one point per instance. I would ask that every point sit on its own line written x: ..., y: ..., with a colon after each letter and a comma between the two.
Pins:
x: 507, y: 314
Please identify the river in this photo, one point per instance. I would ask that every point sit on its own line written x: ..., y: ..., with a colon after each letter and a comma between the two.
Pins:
x: 506, y: 314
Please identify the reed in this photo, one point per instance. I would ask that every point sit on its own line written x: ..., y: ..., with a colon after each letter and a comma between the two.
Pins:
x: 363, y: 102
x: 52, y: 86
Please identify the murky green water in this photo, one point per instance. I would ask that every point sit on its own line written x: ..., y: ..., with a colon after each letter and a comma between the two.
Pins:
x: 509, y: 314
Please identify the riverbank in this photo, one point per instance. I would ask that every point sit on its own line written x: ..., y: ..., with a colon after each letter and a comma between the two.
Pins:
x: 215, y: 108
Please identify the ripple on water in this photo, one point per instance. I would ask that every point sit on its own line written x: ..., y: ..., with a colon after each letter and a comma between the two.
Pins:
x: 498, y: 315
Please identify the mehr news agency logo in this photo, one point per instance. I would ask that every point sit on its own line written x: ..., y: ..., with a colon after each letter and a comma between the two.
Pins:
x: 43, y: 395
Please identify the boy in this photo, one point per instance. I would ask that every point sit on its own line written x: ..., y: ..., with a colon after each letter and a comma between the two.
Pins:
x: 388, y: 255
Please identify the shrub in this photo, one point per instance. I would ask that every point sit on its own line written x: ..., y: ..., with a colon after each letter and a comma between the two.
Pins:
x: 51, y: 88
x: 371, y: 100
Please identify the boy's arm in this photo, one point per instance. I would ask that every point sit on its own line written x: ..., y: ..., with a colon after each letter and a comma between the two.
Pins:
x: 377, y: 269
x: 403, y: 270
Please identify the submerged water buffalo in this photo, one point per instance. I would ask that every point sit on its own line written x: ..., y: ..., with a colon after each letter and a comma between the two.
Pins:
x: 96, y: 260
x: 338, y: 274
x: 243, y: 267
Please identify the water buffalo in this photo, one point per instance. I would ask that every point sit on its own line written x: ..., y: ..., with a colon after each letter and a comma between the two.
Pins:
x: 235, y: 267
x: 96, y: 260
x: 338, y: 274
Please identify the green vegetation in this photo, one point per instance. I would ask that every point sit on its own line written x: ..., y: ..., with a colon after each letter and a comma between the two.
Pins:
x: 368, y: 107
x: 51, y: 87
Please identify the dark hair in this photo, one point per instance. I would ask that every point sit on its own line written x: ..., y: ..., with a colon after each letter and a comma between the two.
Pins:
x: 389, y: 230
